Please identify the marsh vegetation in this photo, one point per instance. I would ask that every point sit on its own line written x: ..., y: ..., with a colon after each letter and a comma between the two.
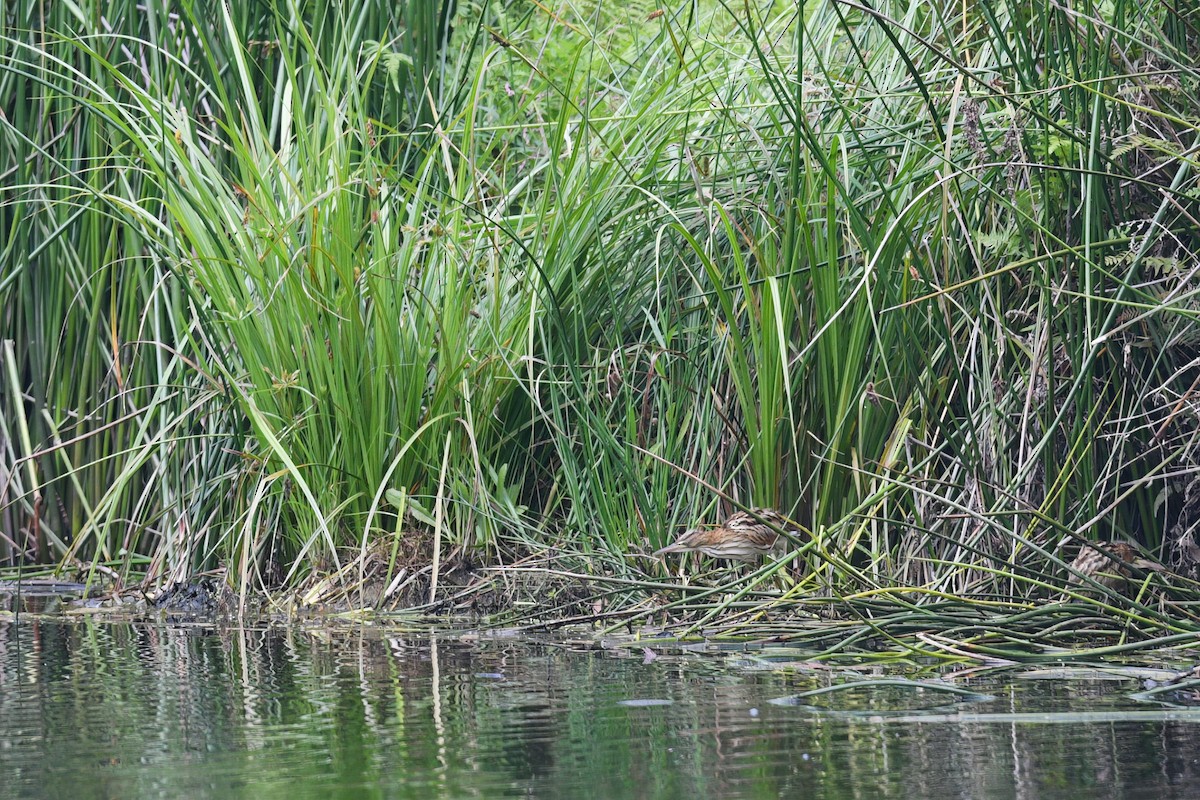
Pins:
x: 476, y: 305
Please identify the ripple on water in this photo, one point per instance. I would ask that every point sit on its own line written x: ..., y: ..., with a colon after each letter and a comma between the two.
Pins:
x: 121, y: 710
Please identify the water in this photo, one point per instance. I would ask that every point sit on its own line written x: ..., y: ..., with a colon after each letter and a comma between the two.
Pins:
x: 94, y: 710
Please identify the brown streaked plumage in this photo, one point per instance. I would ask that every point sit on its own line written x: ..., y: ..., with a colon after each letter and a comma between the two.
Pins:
x: 745, y: 536
x: 1109, y: 564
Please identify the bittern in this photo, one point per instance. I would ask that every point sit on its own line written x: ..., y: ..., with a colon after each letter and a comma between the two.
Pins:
x: 1110, y: 564
x: 745, y: 536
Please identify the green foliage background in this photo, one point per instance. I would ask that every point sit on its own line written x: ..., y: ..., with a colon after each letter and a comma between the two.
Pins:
x: 286, y: 283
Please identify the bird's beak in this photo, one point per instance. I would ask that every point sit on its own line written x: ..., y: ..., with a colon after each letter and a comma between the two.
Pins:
x: 678, y: 545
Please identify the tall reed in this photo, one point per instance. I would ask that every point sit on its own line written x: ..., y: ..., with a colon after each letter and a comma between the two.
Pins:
x: 286, y: 288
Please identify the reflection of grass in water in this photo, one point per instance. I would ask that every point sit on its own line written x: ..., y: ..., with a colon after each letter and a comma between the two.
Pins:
x: 362, y: 707
x: 884, y: 697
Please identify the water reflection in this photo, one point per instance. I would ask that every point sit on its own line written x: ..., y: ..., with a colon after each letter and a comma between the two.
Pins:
x: 118, y: 710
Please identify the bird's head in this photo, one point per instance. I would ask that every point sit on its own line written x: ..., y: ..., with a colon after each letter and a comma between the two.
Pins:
x: 684, y: 543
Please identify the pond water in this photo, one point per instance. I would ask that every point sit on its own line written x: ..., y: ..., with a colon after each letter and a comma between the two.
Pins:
x: 119, y: 710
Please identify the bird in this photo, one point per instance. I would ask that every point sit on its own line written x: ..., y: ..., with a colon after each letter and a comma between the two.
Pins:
x: 744, y: 536
x: 1109, y: 564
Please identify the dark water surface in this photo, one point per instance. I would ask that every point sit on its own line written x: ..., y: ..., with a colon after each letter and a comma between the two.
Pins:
x: 100, y: 710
